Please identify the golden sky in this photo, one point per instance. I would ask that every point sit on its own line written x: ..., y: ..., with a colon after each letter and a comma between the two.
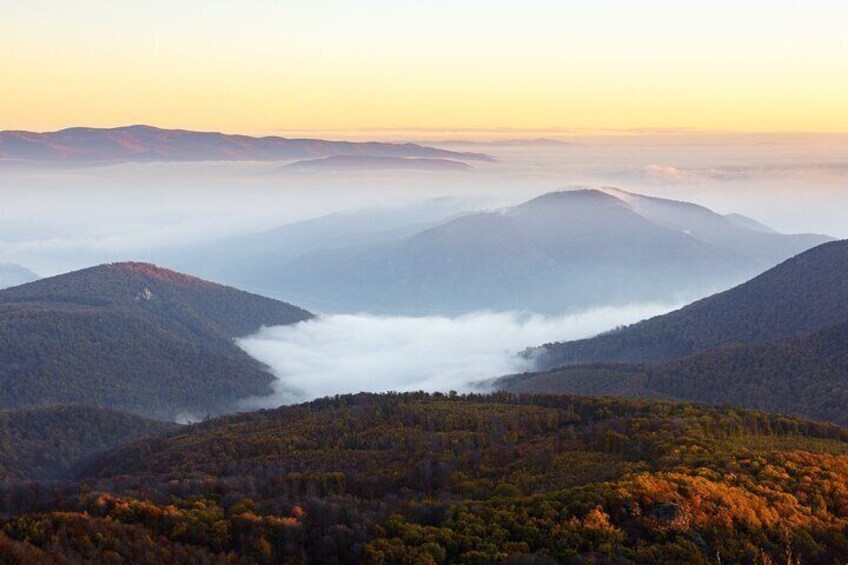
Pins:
x: 460, y: 67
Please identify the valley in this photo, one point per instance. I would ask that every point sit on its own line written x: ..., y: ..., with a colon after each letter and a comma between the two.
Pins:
x: 584, y: 374
x: 423, y: 283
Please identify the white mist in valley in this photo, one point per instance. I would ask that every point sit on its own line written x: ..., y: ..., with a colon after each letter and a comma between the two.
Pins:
x: 339, y: 354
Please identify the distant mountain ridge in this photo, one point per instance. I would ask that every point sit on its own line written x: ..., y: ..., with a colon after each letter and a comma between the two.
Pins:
x: 731, y: 231
x: 370, y: 163
x: 147, y: 143
x: 133, y: 337
x: 236, y: 260
x: 14, y: 275
x: 562, y: 251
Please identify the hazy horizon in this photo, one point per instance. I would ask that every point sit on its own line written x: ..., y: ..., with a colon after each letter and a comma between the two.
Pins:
x: 562, y: 96
x: 466, y: 64
x: 124, y: 211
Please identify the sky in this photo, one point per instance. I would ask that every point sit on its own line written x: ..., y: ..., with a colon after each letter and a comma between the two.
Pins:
x: 456, y: 67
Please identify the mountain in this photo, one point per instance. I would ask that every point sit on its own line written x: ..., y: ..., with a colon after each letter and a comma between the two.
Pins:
x: 805, y: 376
x: 748, y: 223
x: 45, y: 443
x: 804, y: 294
x: 146, y: 143
x: 236, y: 260
x: 739, y: 233
x: 417, y: 478
x: 369, y: 163
x: 562, y: 251
x: 14, y: 275
x: 133, y: 337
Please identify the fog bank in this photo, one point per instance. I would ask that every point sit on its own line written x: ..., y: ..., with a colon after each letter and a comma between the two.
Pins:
x: 353, y: 353
x: 57, y: 218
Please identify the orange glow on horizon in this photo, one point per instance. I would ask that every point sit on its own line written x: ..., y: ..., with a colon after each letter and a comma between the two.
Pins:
x: 327, y: 67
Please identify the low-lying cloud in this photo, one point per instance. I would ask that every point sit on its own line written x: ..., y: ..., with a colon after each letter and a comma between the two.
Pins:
x: 352, y: 353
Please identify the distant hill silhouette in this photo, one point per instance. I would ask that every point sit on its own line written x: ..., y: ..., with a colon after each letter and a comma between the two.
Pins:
x: 370, y: 163
x: 14, y: 275
x: 133, y: 337
x: 563, y: 251
x: 147, y: 143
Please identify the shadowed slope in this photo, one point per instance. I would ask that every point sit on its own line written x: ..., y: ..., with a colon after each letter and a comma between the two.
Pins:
x: 134, y: 337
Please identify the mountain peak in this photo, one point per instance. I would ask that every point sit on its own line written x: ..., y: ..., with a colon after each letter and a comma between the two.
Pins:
x: 123, y: 285
x: 141, y: 127
x: 574, y: 194
x: 135, y: 337
x: 619, y: 193
x: 151, y: 271
x: 575, y: 197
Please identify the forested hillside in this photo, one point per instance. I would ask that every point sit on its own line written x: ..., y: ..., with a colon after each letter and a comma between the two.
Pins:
x: 806, y: 293
x: 805, y: 376
x: 417, y: 478
x: 44, y: 443
x: 133, y: 337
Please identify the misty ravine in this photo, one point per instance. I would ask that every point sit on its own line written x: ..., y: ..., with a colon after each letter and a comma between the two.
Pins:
x: 334, y: 354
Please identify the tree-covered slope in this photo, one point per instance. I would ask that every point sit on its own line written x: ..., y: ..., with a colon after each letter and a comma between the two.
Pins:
x: 45, y: 443
x: 805, y: 376
x: 418, y: 478
x: 803, y: 294
x: 133, y: 337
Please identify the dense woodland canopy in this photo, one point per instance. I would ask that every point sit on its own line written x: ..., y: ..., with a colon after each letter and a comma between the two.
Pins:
x: 775, y: 343
x: 805, y: 376
x: 45, y: 443
x: 804, y: 294
x: 418, y: 478
x: 133, y: 337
